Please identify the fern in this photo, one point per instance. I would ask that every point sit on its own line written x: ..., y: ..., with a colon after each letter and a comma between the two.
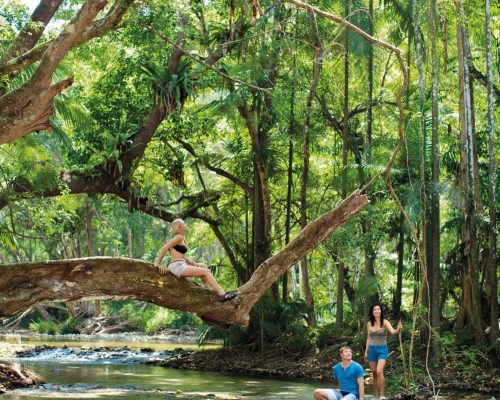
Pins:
x: 168, y: 86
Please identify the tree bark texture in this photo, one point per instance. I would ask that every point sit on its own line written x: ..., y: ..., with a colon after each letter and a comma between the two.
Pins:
x: 24, y: 285
x: 433, y: 264
x: 492, y: 283
x: 27, y: 109
x: 470, y: 306
x: 33, y: 30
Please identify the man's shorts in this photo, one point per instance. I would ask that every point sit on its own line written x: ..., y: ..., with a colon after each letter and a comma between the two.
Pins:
x: 376, y: 353
x: 335, y: 394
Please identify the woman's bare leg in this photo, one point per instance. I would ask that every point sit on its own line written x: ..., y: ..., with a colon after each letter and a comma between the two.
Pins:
x: 381, y: 377
x: 205, y: 275
x: 373, y: 368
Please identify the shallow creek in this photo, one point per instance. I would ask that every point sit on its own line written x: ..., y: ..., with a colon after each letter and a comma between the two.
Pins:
x: 113, y: 368
x: 94, y: 368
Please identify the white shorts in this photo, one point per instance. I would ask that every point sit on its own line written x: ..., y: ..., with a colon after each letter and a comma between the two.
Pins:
x: 335, y: 394
x: 177, y: 267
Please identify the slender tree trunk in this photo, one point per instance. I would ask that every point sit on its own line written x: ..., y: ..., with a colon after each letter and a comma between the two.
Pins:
x: 444, y: 35
x: 305, y: 171
x: 366, y: 224
x: 396, y: 300
x: 492, y: 283
x: 291, y: 135
x: 433, y: 264
x: 345, y: 147
x: 339, y: 315
x: 424, y: 190
x: 129, y: 241
x: 96, y: 306
x: 470, y: 307
x: 90, y: 231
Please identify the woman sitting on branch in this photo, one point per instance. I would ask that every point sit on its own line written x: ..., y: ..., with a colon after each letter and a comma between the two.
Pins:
x: 182, y: 267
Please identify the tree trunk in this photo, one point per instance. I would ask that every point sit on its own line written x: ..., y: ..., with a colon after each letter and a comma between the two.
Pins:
x: 444, y: 35
x: 433, y: 270
x: 491, y: 268
x: 366, y: 224
x: 306, y: 288
x: 470, y: 307
x: 27, y: 108
x: 291, y: 135
x: 426, y: 332
x: 396, y: 300
x: 24, y: 285
x: 345, y: 146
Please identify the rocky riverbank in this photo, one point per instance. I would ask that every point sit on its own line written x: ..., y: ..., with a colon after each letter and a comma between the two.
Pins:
x: 277, y: 364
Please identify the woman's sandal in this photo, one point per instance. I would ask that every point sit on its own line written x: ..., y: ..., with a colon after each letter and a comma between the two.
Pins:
x: 227, y: 296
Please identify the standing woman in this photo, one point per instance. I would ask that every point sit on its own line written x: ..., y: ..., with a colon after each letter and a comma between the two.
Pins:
x: 181, y: 266
x: 376, y: 347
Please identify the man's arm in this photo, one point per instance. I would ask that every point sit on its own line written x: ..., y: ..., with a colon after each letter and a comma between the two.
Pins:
x: 361, y: 388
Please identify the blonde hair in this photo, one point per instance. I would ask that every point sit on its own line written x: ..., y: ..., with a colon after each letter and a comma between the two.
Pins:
x: 176, y: 224
x: 345, y: 348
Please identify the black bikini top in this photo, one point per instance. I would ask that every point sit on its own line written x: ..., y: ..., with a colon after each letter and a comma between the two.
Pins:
x: 181, y: 248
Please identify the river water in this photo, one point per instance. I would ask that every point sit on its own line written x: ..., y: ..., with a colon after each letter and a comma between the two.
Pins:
x: 93, y: 368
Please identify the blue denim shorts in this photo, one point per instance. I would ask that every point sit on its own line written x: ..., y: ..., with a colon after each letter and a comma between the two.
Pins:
x: 376, y: 353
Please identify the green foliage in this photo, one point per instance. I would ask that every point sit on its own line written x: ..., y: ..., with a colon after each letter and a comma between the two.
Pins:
x: 46, y: 327
x: 120, y: 77
x: 70, y: 326
x: 171, y: 319
x: 169, y: 87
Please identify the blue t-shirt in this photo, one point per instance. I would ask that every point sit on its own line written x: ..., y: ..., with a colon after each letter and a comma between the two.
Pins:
x: 348, y: 377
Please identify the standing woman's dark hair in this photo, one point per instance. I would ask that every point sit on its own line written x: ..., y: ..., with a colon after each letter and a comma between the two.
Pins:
x: 372, y: 317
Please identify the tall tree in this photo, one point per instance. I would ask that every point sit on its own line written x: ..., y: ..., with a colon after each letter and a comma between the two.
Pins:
x: 345, y: 148
x: 470, y: 308
x: 366, y: 223
x: 492, y: 259
x: 291, y: 134
x: 433, y: 248
x: 318, y: 62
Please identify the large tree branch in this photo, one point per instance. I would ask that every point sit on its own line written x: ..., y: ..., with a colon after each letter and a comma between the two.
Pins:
x: 309, y: 238
x: 159, y: 111
x: 98, y: 28
x: 28, y: 108
x: 33, y: 30
x: 77, y: 184
x: 24, y: 285
x: 64, y: 42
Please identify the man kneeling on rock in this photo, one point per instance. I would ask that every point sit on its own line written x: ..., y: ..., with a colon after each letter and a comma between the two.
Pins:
x: 350, y: 375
